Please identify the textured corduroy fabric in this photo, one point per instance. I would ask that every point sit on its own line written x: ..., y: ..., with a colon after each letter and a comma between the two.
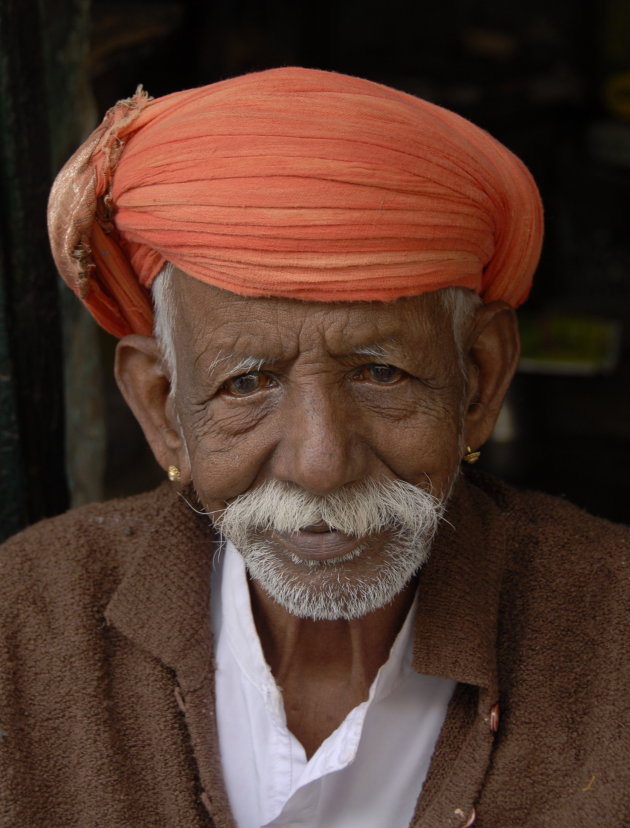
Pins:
x: 296, y: 183
x: 106, y: 677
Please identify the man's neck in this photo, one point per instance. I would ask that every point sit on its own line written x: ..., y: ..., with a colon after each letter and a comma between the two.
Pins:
x: 324, y: 668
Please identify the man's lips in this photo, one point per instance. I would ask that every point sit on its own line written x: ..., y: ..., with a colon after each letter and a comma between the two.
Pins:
x: 317, y: 542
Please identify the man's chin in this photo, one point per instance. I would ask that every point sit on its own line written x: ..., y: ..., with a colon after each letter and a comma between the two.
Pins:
x: 345, y: 587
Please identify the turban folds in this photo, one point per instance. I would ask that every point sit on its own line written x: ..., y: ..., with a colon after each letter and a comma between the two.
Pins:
x: 291, y: 182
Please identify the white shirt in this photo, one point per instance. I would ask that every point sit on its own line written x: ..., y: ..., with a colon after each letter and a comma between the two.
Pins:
x: 368, y: 773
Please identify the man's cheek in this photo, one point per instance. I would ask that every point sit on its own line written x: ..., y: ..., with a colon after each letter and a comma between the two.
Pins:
x: 225, y: 464
x: 223, y: 420
x: 420, y: 446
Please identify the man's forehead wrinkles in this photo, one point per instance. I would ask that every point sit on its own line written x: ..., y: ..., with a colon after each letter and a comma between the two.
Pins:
x: 371, y: 335
x: 224, y: 339
x: 340, y: 327
x: 236, y: 335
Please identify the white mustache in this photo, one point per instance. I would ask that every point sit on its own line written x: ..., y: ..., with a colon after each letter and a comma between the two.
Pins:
x: 364, y: 509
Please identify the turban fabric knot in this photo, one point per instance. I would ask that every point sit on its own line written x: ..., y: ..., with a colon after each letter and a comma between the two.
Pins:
x: 296, y: 183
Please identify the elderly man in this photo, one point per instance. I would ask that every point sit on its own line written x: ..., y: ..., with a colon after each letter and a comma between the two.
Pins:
x: 319, y: 620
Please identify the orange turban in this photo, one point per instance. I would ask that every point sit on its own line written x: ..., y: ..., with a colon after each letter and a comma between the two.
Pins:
x: 291, y: 182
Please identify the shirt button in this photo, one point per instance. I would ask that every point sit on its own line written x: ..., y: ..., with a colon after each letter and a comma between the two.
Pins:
x: 179, y: 699
x: 206, y: 802
x: 494, y: 718
x: 471, y: 819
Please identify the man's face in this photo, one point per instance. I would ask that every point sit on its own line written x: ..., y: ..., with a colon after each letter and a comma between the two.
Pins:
x: 319, y: 399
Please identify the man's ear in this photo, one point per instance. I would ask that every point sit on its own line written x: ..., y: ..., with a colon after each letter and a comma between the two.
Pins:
x: 146, y: 387
x: 493, y: 351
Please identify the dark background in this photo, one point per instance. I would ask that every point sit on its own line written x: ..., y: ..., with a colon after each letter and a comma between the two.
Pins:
x: 549, y: 79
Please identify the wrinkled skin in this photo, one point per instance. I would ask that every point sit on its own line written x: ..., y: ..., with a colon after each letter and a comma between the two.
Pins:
x: 317, y: 412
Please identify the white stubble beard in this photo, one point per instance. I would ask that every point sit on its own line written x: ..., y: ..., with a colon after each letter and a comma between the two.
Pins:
x: 344, y: 587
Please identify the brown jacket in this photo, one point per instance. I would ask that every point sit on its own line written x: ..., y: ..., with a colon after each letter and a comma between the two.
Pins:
x: 106, y: 667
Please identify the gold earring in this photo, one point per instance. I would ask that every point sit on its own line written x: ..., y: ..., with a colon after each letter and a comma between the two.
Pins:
x: 471, y: 456
x: 174, y: 474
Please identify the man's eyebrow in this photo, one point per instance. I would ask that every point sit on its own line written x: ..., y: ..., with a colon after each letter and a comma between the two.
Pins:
x: 243, y: 364
x: 237, y: 364
x: 376, y: 350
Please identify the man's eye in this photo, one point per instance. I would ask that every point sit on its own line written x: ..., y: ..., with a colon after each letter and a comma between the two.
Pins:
x: 381, y: 373
x: 246, y: 384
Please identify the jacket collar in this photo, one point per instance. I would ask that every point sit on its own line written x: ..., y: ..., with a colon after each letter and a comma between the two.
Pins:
x: 459, y: 589
x: 162, y: 602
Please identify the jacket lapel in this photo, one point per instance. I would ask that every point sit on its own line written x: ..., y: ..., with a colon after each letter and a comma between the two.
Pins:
x: 162, y: 605
x: 455, y: 637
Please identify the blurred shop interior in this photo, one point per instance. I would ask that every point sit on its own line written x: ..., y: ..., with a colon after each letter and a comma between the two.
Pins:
x: 549, y: 79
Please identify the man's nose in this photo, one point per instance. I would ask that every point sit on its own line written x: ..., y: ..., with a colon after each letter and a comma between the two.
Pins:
x: 320, y: 448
